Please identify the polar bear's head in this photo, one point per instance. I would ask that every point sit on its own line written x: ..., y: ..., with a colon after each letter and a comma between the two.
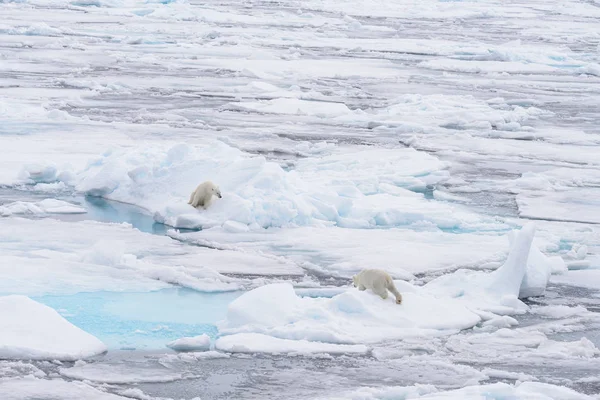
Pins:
x: 214, y: 189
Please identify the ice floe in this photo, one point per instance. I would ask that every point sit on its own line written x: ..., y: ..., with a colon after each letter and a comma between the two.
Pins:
x: 259, y: 343
x: 375, y: 188
x: 32, y: 331
x: 31, y: 388
x: 46, y: 206
x: 55, y: 257
x: 450, y: 303
x: 196, y: 343
x: 115, y: 374
x: 519, y: 391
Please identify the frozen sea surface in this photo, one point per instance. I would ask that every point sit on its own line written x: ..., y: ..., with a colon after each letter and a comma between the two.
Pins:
x: 409, y: 136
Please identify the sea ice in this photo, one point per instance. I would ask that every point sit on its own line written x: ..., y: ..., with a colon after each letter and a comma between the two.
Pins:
x: 56, y: 257
x: 30, y: 388
x: 117, y: 374
x: 334, y: 189
x: 449, y: 303
x: 30, y: 330
x: 258, y: 343
x: 519, y: 391
x: 196, y: 343
x: 46, y: 206
x: 344, y: 252
x: 576, y: 205
x: 348, y: 318
x: 524, y: 273
x: 587, y: 278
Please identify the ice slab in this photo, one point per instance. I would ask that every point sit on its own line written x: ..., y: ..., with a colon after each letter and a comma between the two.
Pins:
x: 345, y: 252
x: 31, y: 388
x: 574, y: 204
x: 196, y: 343
x: 258, y: 343
x: 55, y: 257
x: 589, y: 278
x: 531, y: 345
x: 294, y: 106
x: 519, y: 391
x: 46, y: 206
x: 31, y: 330
x: 117, y: 374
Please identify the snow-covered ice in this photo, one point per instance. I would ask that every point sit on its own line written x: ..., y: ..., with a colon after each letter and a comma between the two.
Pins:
x: 345, y: 252
x: 46, y: 206
x: 113, y: 374
x: 196, y: 343
x: 30, y: 330
x: 336, y: 189
x: 348, y: 318
x: 448, y: 304
x: 56, y: 257
x: 258, y: 343
x: 520, y: 391
x: 31, y: 388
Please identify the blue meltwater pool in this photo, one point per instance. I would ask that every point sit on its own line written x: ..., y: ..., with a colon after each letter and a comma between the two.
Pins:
x: 143, y: 321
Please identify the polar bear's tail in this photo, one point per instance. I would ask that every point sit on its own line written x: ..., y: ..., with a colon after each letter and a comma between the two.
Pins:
x: 392, y: 288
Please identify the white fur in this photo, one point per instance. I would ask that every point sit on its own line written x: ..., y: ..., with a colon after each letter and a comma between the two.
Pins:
x: 378, y: 281
x: 202, y: 196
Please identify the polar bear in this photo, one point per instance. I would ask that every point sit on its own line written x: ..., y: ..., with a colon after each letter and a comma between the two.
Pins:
x: 202, y: 196
x: 378, y: 281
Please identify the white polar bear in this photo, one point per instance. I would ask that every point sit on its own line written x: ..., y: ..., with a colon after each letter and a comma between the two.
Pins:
x: 378, y: 281
x: 202, y: 196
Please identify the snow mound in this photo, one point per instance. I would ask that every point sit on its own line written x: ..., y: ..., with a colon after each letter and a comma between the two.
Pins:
x: 196, y: 343
x: 30, y: 330
x: 334, y: 190
x: 46, y: 206
x: 258, y: 343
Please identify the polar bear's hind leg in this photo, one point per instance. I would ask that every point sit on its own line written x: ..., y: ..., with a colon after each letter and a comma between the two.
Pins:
x: 381, y: 291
